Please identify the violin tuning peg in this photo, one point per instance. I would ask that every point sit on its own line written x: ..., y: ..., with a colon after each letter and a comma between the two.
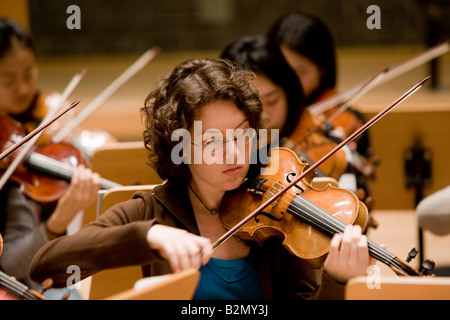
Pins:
x: 412, y: 254
x: 427, y: 266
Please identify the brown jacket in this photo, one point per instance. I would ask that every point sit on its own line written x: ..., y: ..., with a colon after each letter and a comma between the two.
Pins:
x: 118, y: 238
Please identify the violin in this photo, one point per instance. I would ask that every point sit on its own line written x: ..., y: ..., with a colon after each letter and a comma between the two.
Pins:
x: 305, y: 217
x: 19, y: 290
x: 346, y: 120
x: 312, y: 144
x: 286, y: 205
x: 47, y: 170
x: 343, y: 122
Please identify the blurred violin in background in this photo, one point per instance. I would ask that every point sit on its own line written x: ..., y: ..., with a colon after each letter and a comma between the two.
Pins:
x: 11, y: 289
x: 46, y: 171
x: 312, y: 144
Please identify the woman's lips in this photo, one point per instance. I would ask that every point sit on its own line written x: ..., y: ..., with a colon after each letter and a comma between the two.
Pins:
x: 233, y: 171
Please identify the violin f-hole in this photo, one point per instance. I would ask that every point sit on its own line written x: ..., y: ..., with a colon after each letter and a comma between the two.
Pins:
x: 288, y: 179
x: 269, y: 216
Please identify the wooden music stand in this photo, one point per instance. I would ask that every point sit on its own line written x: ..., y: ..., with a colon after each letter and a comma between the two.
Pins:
x: 176, y: 286
x: 399, y: 288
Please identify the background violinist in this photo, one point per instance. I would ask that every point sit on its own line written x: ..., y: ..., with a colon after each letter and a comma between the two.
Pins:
x: 283, y: 101
x: 308, y: 46
x: 25, y: 224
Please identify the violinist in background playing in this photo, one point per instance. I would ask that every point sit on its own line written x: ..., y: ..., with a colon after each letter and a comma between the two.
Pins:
x: 283, y: 101
x: 308, y: 46
x: 173, y: 227
x: 20, y: 97
x: 25, y: 224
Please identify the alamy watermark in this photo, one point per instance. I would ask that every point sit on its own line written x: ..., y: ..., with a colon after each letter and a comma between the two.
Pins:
x: 374, y: 20
x: 73, y: 281
x: 238, y: 146
x: 74, y: 20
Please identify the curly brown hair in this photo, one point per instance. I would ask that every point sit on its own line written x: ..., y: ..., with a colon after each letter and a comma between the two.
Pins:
x: 179, y: 98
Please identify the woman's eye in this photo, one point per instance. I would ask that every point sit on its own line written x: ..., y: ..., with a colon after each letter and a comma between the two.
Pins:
x: 271, y: 102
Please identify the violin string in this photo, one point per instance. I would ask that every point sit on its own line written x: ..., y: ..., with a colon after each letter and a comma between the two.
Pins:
x: 42, y: 162
x: 58, y: 168
x: 14, y: 286
x: 337, y: 227
x: 18, y: 290
x: 334, y: 227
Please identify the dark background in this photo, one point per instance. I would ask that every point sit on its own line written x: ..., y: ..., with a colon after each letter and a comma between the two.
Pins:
x: 123, y: 27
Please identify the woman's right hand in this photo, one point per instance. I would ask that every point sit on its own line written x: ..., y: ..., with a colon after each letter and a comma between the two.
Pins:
x: 182, y: 249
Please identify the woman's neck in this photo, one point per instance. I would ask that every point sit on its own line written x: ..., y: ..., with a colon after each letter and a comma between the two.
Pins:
x: 209, y: 198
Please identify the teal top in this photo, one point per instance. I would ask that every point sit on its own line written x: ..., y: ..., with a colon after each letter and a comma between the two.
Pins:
x: 237, y: 279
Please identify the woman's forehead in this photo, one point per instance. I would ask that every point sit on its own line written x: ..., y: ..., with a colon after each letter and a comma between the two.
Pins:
x: 221, y: 115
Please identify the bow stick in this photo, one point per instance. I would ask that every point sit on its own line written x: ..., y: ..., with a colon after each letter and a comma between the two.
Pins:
x: 239, y: 225
x: 388, y: 74
x: 365, y: 87
x: 102, y: 97
x: 37, y: 130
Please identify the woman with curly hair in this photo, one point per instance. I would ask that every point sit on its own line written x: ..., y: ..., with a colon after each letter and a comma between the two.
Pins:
x: 172, y: 228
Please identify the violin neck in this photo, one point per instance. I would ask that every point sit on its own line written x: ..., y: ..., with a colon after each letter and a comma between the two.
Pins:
x: 309, y: 212
x: 15, y: 287
x: 57, y: 169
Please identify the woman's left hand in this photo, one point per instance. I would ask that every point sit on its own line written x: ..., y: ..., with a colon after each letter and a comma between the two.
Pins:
x: 349, y: 255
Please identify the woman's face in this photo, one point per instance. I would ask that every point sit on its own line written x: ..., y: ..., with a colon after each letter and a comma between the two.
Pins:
x: 307, y: 71
x: 274, y: 101
x: 18, y: 81
x: 219, y: 120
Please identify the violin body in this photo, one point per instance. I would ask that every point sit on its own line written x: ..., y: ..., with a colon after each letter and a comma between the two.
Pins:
x: 280, y: 218
x: 11, y: 289
x: 45, y: 186
x: 47, y: 170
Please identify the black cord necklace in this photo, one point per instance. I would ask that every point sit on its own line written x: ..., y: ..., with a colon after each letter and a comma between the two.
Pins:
x: 212, y: 211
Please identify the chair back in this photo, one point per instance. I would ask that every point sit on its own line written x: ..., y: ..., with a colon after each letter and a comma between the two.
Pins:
x: 124, y: 163
x: 112, y: 281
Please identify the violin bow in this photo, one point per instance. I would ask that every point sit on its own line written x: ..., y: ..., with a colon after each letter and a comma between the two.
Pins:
x: 106, y: 93
x: 387, y: 74
x: 351, y: 137
x: 65, y: 95
x: 36, y: 131
x: 365, y: 87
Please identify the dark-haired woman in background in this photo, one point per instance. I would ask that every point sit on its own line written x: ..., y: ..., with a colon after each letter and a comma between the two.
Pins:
x: 308, y: 46
x: 283, y: 99
x: 25, y: 224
